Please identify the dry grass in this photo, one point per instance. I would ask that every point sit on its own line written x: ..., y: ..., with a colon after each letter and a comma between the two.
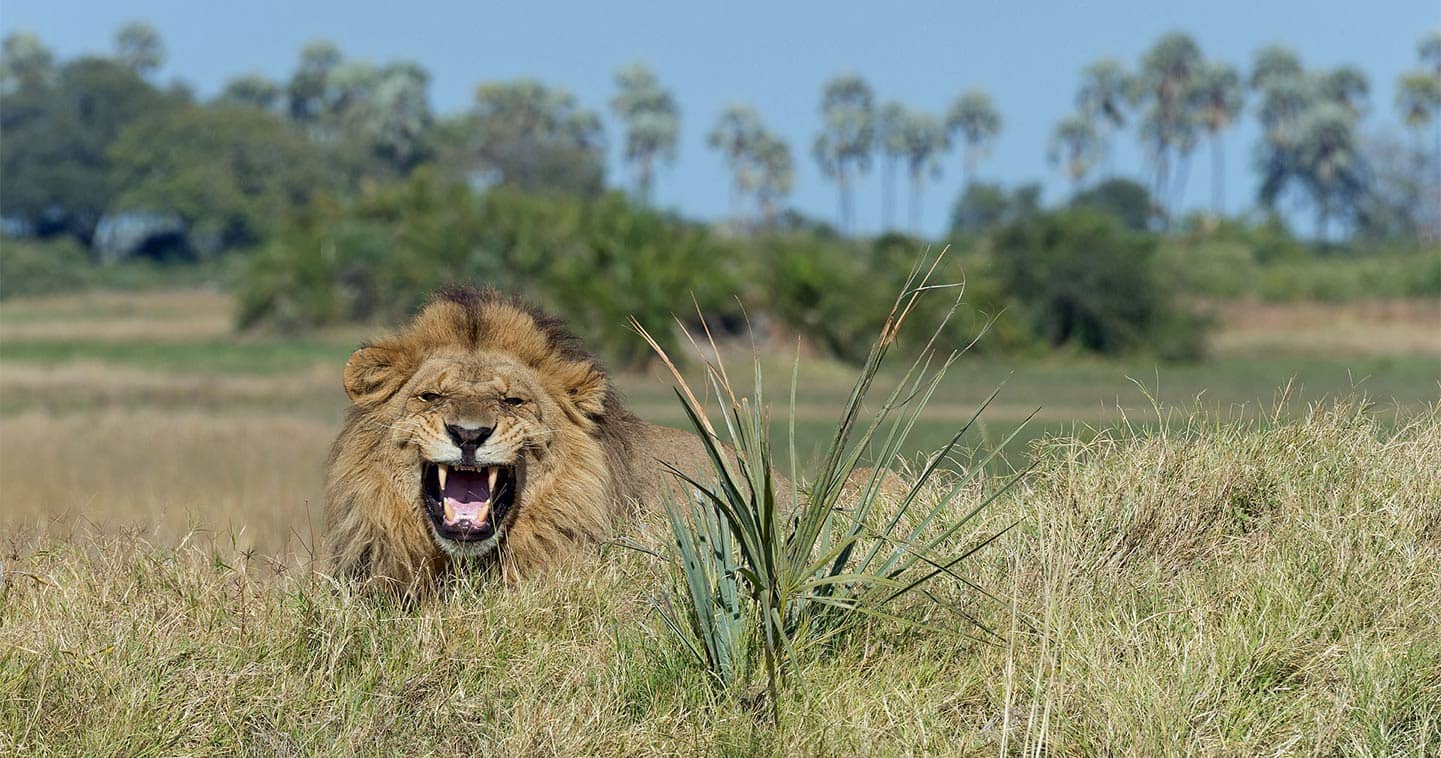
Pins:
x: 1376, y: 328
x: 157, y: 316
x: 87, y: 386
x: 1222, y: 590
x: 256, y: 478
x: 1233, y: 586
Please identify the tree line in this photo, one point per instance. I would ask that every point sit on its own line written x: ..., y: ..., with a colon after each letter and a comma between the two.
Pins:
x: 95, y: 148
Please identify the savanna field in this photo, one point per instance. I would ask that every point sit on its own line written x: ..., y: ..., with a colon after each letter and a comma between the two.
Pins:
x: 1240, y: 556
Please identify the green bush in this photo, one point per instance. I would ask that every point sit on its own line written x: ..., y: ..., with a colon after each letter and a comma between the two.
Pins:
x: 816, y: 287
x: 39, y: 268
x: 1217, y: 269
x: 596, y: 263
x: 1339, y: 280
x: 61, y: 265
x: 1126, y: 200
x: 1082, y: 280
x: 832, y: 290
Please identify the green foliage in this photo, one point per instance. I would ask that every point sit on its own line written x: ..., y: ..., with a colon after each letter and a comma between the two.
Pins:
x: 760, y: 162
x: 1127, y: 201
x: 1410, y: 276
x: 983, y: 206
x: 531, y: 137
x: 38, y: 268
x: 814, y: 289
x: 652, y: 121
x: 25, y: 61
x: 844, y: 145
x: 833, y: 291
x: 229, y: 174
x: 596, y: 263
x: 55, y: 160
x: 1076, y: 147
x: 61, y: 265
x: 1081, y: 279
x: 766, y: 572
x: 139, y: 48
x: 976, y: 119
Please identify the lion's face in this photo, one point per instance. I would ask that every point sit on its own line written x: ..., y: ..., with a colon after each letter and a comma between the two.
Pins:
x: 474, y: 426
x: 481, y: 428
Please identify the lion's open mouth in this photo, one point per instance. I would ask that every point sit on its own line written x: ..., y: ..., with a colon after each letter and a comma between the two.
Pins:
x: 467, y: 503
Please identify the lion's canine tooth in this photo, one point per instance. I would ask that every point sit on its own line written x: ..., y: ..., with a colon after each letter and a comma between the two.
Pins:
x: 440, y: 469
x: 449, y: 513
x: 494, y: 472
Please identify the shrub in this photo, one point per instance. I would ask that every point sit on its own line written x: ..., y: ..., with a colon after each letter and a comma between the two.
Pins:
x: 38, y: 268
x: 1080, y: 279
x: 1124, y: 199
x: 61, y: 265
x: 1220, y: 269
x: 818, y: 288
x: 597, y: 263
x: 834, y: 291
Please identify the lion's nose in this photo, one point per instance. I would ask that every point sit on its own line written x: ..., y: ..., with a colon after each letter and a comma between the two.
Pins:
x: 469, y: 436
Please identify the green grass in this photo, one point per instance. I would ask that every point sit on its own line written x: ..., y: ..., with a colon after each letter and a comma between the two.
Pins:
x: 262, y: 356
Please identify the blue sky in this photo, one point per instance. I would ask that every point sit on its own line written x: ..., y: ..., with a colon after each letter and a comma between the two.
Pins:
x: 776, y: 57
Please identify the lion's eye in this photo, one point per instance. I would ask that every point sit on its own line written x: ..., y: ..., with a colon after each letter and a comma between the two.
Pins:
x: 514, y: 400
x: 430, y: 397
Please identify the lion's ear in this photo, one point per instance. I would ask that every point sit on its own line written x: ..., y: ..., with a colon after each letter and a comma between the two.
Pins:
x: 588, y: 390
x: 373, y: 374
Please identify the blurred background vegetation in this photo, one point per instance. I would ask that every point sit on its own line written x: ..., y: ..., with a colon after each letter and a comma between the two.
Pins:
x: 339, y: 197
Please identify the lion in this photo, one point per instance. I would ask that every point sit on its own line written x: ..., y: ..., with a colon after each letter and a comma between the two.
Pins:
x: 483, y: 432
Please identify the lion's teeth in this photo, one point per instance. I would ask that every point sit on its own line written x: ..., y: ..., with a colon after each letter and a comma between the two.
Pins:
x: 441, y: 470
x: 449, y: 513
x: 494, y: 472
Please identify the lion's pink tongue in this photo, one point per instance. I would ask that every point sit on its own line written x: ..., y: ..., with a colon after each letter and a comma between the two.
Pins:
x: 457, y: 513
x: 467, y: 498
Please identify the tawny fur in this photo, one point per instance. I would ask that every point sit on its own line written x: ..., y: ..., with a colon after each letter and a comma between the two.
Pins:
x: 588, y: 461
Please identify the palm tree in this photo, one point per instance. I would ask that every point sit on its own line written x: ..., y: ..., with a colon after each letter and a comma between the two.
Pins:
x: 923, y: 140
x: 1418, y: 92
x: 1218, y: 100
x: 1429, y: 51
x: 889, y: 145
x: 1077, y: 146
x: 138, y: 47
x: 1282, y: 102
x: 1272, y: 63
x: 1328, y: 160
x: 1168, y: 72
x: 398, y: 114
x: 652, y: 123
x: 736, y: 134
x: 308, y: 92
x: 1106, y: 91
x: 975, y: 117
x: 847, y: 136
x: 24, y: 62
x: 1418, y: 98
x: 775, y: 174
x: 1346, y: 86
x: 253, y: 90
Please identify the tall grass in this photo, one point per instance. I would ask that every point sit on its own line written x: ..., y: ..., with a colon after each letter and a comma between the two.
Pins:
x: 766, y: 563
x: 1216, y: 586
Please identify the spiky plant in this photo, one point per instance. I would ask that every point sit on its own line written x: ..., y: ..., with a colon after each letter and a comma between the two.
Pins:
x: 780, y: 568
